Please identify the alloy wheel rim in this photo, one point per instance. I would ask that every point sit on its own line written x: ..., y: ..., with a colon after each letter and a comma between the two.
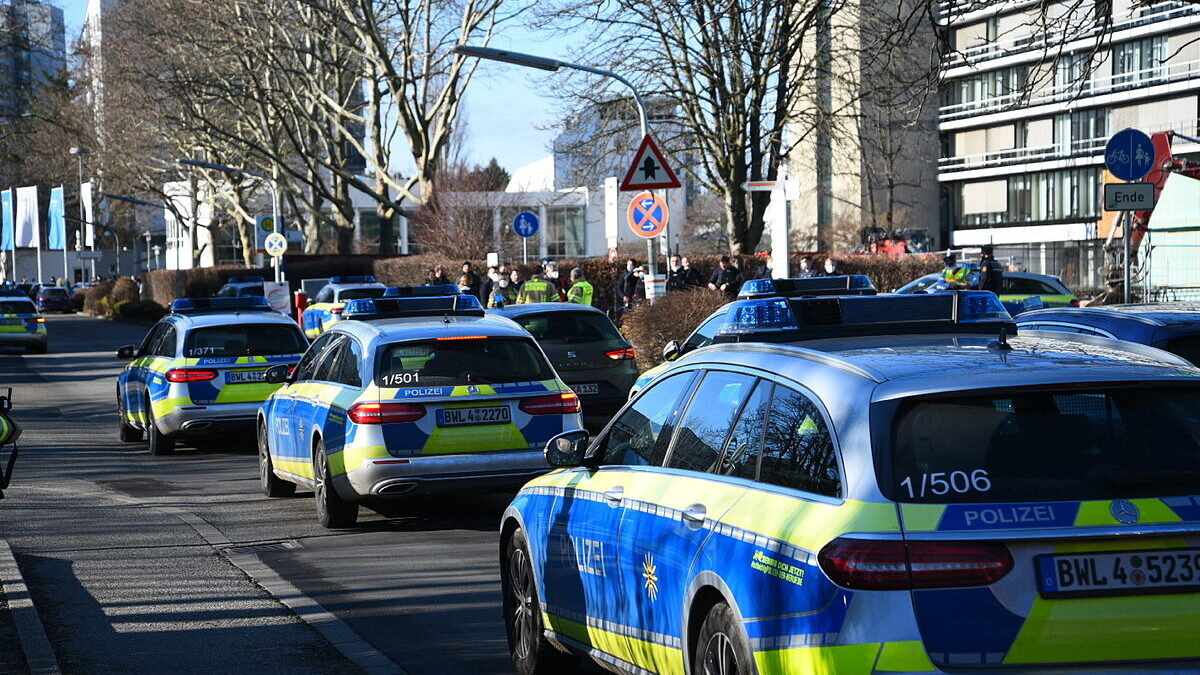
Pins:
x: 719, y: 657
x: 520, y: 581
x: 264, y: 458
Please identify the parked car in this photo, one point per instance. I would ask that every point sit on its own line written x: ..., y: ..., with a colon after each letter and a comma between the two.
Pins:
x: 52, y: 299
x: 1014, y: 289
x: 1173, y: 327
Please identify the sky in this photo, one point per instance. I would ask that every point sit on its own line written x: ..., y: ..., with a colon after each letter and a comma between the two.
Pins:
x: 506, y: 114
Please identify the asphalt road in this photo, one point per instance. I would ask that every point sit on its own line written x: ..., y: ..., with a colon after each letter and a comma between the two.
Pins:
x: 125, y: 587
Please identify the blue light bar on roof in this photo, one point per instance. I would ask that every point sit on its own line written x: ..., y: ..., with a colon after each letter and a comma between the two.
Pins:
x: 435, y: 291
x: 976, y: 306
x: 760, y: 316
x: 846, y: 284
x: 353, y: 279
x: 245, y: 280
x: 385, y: 308
x: 245, y: 303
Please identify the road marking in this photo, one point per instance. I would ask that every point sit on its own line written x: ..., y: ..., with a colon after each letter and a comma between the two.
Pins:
x: 39, y: 655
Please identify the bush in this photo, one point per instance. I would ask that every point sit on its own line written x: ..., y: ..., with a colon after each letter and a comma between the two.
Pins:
x: 141, y: 310
x: 650, y: 327
x: 95, y: 300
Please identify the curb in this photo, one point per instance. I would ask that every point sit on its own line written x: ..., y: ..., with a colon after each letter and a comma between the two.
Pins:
x: 39, y: 655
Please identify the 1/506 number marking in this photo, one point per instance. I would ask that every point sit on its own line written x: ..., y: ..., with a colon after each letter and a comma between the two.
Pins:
x: 945, y: 482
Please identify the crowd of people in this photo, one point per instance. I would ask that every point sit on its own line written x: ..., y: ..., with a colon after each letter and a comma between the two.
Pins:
x: 505, y: 285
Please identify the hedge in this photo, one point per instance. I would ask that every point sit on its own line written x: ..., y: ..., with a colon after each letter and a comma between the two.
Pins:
x: 649, y: 327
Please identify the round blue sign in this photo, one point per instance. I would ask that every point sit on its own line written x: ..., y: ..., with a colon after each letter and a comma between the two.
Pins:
x: 1129, y: 155
x: 525, y: 224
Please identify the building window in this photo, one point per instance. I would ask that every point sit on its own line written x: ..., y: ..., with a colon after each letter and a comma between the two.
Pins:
x: 1140, y: 60
x: 1041, y: 197
x: 564, y: 232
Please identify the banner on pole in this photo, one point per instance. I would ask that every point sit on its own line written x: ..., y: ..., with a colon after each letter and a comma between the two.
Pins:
x: 6, y: 218
x: 27, y: 228
x: 56, y: 236
x: 89, y: 231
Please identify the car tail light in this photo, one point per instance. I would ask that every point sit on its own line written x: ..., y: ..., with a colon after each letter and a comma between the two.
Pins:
x: 42, y: 298
x: 627, y: 353
x: 336, y: 310
x: 385, y: 413
x: 1075, y: 302
x: 565, y: 403
x: 36, y: 319
x: 191, y: 375
x: 890, y: 565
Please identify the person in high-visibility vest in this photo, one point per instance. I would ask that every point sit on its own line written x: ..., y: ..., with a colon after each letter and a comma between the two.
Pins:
x: 953, y: 274
x: 537, y: 289
x: 581, y: 290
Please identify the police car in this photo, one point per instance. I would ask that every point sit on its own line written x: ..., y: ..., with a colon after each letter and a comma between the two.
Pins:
x: 804, y: 287
x: 410, y: 395
x: 21, y: 324
x: 201, y: 370
x: 909, y: 490
x: 326, y: 308
x: 241, y: 287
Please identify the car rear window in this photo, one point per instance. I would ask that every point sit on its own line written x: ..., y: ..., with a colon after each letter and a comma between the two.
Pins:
x: 1045, y: 445
x: 17, y: 307
x: 457, y: 361
x: 244, y: 340
x: 56, y: 292
x: 570, y: 327
x: 360, y: 293
x: 1187, y: 346
x: 1022, y: 286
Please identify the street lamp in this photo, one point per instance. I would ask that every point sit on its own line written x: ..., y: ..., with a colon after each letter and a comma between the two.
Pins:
x: 274, y: 197
x: 117, y: 237
x: 552, y: 65
x: 79, y: 153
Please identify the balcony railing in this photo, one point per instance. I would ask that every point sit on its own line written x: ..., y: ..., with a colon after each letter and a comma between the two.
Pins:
x: 1167, y: 72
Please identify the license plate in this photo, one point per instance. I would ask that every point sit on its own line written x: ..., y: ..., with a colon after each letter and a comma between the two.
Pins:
x: 457, y: 417
x: 1119, y: 573
x: 585, y: 389
x: 245, y: 376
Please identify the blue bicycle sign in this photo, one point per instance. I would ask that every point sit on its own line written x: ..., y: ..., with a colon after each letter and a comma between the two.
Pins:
x: 1129, y: 155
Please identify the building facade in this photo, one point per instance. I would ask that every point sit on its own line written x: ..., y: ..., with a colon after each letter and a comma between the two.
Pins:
x: 33, y: 51
x: 1032, y: 92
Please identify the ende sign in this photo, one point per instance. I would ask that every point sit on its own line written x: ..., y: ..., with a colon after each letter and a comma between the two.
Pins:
x: 1129, y: 196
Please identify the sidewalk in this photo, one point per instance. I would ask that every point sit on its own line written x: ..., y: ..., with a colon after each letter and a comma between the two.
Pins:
x: 24, y: 647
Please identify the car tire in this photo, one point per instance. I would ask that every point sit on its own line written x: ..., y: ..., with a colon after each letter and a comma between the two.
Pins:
x: 722, y: 648
x: 272, y: 485
x: 128, y: 434
x: 160, y: 443
x: 532, y: 653
x: 333, y: 512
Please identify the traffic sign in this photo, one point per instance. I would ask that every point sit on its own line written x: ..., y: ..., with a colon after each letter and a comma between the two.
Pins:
x: 1129, y: 155
x: 1128, y: 196
x: 276, y: 244
x: 648, y: 215
x: 649, y: 170
x: 525, y: 224
x: 762, y: 185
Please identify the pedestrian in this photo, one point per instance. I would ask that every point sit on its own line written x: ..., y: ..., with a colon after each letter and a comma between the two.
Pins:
x: 581, y: 291
x: 430, y: 277
x: 626, y: 285
x: 537, y: 288
x: 556, y: 280
x: 766, y: 270
x: 991, y: 273
x: 831, y: 268
x: 489, y: 282
x: 639, y: 285
x: 503, y: 293
x: 727, y: 278
x: 515, y: 281
x: 464, y: 284
x: 806, y: 268
x: 676, y: 274
x: 468, y: 271
x: 440, y: 277
x: 953, y: 274
x: 691, y: 275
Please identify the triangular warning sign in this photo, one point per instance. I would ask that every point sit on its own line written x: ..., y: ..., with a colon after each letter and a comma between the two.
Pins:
x: 649, y: 170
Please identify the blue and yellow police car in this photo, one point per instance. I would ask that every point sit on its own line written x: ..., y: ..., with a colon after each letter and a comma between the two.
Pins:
x: 326, y: 308
x: 410, y: 395
x: 201, y: 370
x: 21, y: 324
x: 908, y: 490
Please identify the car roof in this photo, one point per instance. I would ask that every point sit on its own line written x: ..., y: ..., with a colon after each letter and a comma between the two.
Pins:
x: 543, y: 308
x: 1159, y: 314
x: 341, y: 286
x: 206, y: 319
x: 425, y: 328
x: 912, y: 364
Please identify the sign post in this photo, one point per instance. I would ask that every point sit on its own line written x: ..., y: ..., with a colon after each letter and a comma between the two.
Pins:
x: 649, y: 170
x: 1129, y: 156
x: 648, y: 216
x: 525, y: 225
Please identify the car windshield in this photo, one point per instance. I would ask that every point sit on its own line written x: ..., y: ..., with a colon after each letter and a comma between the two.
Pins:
x: 462, y: 361
x: 1109, y: 442
x: 245, y: 340
x: 918, y: 285
x: 360, y: 293
x: 570, y: 327
x: 16, y: 307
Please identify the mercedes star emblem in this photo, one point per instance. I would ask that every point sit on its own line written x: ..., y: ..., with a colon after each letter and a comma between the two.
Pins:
x: 1125, y: 512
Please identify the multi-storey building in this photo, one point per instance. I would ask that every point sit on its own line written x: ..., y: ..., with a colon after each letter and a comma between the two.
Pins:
x: 33, y: 50
x: 1032, y: 92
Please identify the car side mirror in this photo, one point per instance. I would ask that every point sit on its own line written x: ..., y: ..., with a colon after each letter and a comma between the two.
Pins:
x: 127, y: 352
x: 671, y: 350
x: 278, y: 374
x: 567, y: 449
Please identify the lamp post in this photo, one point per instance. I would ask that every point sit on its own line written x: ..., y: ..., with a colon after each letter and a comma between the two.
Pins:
x: 117, y: 237
x: 79, y: 153
x: 276, y: 226
x: 553, y: 65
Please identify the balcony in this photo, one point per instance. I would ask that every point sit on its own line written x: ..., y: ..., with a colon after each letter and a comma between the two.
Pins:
x: 1163, y: 74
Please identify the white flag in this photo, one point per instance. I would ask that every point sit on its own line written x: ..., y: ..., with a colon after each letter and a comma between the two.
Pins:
x: 89, y: 233
x: 28, y: 231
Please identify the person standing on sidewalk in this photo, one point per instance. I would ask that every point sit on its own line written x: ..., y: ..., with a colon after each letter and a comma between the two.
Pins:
x: 581, y: 292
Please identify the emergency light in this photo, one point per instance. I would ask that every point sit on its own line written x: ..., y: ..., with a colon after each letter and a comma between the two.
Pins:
x: 354, y: 279
x: 847, y: 284
x: 784, y: 319
x: 399, y: 307
x: 245, y: 303
x: 422, y: 291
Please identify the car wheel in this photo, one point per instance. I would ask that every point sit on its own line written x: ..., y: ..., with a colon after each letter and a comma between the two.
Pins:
x: 160, y: 443
x: 722, y: 648
x: 129, y: 434
x: 531, y: 653
x: 272, y: 485
x: 332, y: 511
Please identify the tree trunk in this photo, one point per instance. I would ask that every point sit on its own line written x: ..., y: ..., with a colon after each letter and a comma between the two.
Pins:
x: 736, y: 220
x: 345, y: 238
x: 245, y: 233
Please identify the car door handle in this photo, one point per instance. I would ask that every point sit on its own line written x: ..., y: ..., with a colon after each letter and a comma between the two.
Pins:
x: 615, y: 495
x: 695, y: 515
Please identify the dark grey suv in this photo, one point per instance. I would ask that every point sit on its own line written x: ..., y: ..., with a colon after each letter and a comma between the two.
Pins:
x: 586, y: 349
